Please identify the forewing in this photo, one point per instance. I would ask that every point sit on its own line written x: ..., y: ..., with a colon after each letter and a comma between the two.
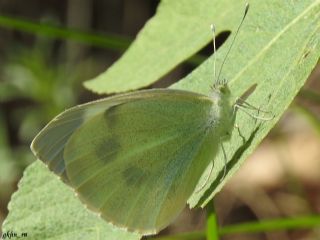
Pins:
x: 136, y: 163
x: 49, y: 144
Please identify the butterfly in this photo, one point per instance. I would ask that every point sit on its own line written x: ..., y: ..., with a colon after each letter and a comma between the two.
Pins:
x: 136, y: 158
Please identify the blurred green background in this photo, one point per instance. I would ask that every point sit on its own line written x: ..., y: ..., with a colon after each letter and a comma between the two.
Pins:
x: 41, y: 74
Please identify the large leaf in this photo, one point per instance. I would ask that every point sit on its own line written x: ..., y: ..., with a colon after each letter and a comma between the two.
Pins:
x: 45, y: 208
x: 177, y: 31
x: 277, y: 49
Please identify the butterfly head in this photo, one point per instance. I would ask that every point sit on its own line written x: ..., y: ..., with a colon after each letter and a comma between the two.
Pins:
x: 221, y: 86
x: 221, y: 91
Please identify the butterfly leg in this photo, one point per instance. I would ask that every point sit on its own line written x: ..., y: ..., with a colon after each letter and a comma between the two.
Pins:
x: 246, y: 107
x: 240, y: 134
x: 211, y: 168
x: 225, y: 161
x: 205, y: 183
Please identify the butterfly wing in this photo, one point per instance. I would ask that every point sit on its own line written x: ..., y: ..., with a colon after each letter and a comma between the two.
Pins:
x: 49, y: 144
x: 136, y: 158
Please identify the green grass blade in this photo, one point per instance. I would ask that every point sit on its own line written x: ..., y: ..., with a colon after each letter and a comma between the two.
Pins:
x: 109, y: 41
x: 273, y: 225
x: 306, y: 222
x: 212, y: 231
x: 184, y: 236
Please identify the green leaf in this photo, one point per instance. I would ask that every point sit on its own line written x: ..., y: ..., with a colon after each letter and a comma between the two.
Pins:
x: 277, y: 49
x: 177, y: 31
x: 45, y: 208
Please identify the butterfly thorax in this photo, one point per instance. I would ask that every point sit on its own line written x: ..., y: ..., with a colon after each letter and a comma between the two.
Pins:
x: 222, y: 110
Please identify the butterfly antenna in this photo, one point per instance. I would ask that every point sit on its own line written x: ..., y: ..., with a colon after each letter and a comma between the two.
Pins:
x: 213, y: 30
x: 235, y: 36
